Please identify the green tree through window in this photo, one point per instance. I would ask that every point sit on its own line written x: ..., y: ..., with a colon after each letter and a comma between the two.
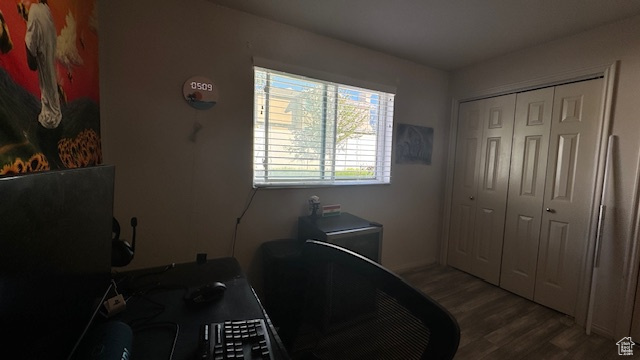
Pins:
x: 311, y: 131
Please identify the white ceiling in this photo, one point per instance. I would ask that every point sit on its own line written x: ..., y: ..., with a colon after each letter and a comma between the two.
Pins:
x: 446, y: 34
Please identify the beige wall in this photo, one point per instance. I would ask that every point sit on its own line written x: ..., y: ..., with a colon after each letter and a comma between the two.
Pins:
x: 188, y: 195
x: 601, y: 46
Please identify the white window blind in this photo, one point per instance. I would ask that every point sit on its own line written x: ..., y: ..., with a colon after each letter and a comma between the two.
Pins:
x: 314, y: 132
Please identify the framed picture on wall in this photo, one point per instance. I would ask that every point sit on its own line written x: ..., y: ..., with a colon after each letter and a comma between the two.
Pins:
x: 414, y: 144
x: 49, y: 113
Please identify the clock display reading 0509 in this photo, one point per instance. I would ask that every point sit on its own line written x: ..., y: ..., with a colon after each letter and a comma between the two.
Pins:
x: 201, y: 86
x: 200, y: 92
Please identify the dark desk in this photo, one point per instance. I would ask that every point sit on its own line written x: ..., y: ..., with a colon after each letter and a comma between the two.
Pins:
x: 156, y: 305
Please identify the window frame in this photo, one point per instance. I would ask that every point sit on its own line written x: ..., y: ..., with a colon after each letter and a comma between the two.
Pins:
x: 384, y: 128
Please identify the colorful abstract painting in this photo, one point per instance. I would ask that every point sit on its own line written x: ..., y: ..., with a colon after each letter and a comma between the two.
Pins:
x: 49, y: 90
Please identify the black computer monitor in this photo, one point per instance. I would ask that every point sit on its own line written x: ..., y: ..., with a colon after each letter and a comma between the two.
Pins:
x: 55, y: 258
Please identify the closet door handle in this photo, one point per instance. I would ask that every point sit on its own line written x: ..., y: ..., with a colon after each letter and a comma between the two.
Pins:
x: 549, y: 210
x: 471, y: 197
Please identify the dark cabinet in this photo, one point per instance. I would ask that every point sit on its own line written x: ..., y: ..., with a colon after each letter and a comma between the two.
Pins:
x: 340, y: 297
x: 349, y: 231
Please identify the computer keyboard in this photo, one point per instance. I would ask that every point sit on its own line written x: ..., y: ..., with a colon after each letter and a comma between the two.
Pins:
x: 239, y: 339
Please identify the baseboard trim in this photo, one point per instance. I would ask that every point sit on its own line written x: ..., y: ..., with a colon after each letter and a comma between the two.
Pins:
x: 406, y: 268
x: 602, y: 331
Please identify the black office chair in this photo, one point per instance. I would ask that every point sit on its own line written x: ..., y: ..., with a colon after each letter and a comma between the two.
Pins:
x: 356, y: 309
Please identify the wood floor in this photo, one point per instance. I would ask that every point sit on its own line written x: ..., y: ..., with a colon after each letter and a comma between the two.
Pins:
x: 496, y: 324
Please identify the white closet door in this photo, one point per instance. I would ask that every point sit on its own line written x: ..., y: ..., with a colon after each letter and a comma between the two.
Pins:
x: 493, y: 183
x: 526, y: 190
x: 568, y: 193
x: 465, y: 182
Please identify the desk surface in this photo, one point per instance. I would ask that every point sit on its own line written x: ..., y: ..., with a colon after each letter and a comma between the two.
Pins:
x: 156, y: 305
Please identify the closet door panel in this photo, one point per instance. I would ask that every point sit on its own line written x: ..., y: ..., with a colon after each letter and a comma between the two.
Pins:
x: 462, y: 236
x: 568, y: 193
x: 465, y: 183
x: 532, y: 125
x: 493, y: 184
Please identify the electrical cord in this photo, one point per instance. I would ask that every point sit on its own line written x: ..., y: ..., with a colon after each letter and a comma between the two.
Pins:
x: 142, y: 292
x: 175, y: 340
x: 158, y: 310
x: 235, y: 232
x: 152, y: 326
x: 159, y: 307
x: 129, y: 280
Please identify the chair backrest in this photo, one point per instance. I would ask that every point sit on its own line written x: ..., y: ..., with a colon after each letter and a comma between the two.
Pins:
x: 356, y: 309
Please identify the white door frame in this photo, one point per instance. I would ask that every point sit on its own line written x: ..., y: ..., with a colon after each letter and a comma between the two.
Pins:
x: 608, y: 72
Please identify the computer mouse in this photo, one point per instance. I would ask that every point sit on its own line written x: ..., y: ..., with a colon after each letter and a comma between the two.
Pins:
x: 207, y: 293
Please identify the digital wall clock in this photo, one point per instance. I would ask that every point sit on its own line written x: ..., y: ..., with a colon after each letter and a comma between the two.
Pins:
x: 200, y: 92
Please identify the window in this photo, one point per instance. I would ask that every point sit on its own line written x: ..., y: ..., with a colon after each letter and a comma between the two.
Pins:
x: 313, y: 132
